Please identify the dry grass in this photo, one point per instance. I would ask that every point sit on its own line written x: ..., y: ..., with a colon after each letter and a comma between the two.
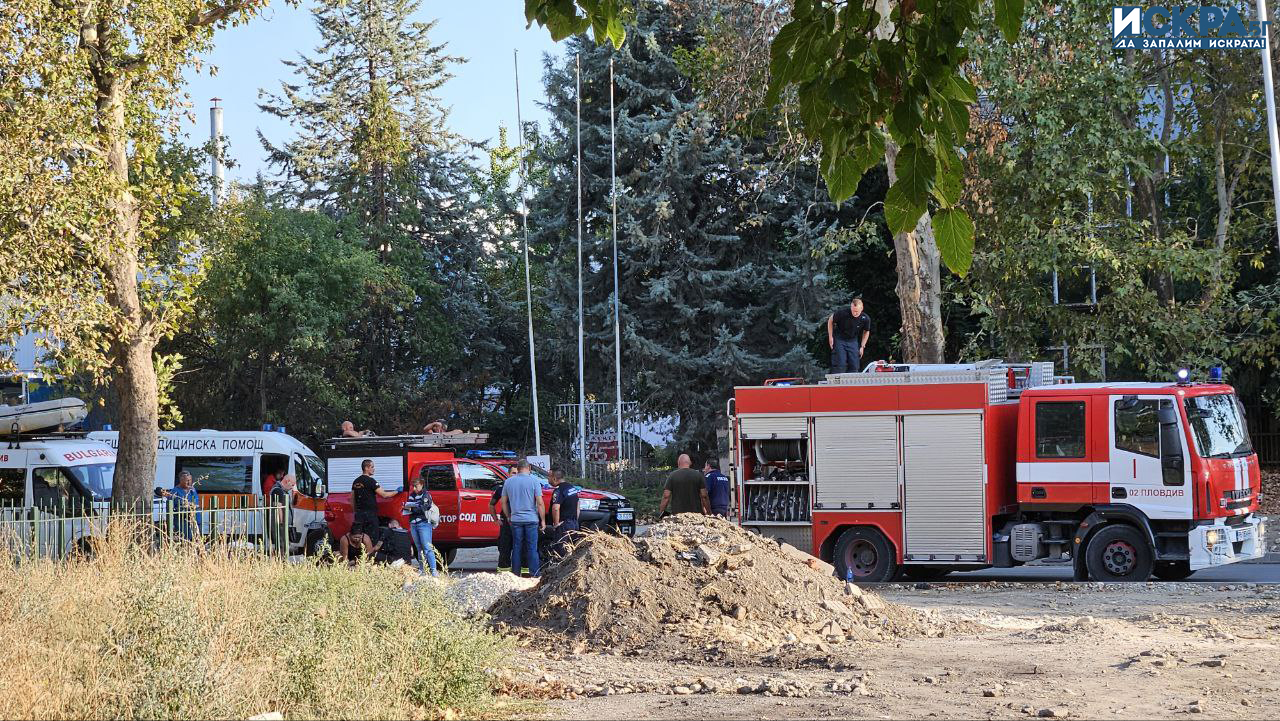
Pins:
x: 177, y: 633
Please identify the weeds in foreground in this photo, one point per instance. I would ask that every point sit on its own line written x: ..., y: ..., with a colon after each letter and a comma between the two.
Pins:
x: 175, y: 632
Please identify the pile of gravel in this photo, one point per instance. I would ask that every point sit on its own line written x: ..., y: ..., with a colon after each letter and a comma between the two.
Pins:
x: 475, y: 593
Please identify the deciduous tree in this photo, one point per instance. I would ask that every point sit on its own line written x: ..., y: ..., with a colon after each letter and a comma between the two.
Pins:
x: 89, y: 97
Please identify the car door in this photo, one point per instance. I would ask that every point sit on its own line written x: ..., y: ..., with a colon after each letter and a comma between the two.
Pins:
x: 59, y: 506
x: 478, y: 484
x: 1060, y: 469
x: 1139, y: 452
x: 442, y: 484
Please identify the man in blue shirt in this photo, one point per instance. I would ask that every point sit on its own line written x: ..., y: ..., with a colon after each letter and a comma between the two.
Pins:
x: 717, y: 488
x: 523, y: 504
x: 184, y: 505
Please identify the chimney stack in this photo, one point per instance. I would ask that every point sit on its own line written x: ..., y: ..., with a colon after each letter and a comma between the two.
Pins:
x: 215, y: 134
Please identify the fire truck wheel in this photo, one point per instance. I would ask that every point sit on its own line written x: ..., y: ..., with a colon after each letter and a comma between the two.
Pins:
x: 1118, y: 553
x: 866, y: 553
x: 1173, y: 570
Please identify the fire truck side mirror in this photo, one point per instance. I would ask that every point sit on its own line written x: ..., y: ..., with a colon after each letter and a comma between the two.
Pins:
x: 1167, y: 415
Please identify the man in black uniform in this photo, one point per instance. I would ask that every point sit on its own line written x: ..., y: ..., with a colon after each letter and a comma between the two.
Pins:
x: 504, y: 530
x: 564, y: 510
x: 365, y: 492
x: 847, y: 332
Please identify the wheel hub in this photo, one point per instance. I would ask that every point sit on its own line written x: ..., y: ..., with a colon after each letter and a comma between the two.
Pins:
x: 862, y: 558
x: 1119, y: 558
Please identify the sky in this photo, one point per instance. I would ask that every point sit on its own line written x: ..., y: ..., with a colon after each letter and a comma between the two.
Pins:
x: 481, y: 94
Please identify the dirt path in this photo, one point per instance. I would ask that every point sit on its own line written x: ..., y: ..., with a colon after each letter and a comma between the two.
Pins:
x: 1043, y: 650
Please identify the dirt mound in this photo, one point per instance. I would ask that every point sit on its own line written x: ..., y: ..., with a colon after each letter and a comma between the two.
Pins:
x: 703, y: 583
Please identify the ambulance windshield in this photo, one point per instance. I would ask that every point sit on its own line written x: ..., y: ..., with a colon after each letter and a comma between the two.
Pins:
x: 95, y: 478
x: 1217, y: 422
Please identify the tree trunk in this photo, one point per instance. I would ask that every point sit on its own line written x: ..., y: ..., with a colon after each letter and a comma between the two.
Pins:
x: 919, y: 283
x: 131, y: 344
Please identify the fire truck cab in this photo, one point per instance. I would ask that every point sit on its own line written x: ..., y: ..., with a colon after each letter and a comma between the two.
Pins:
x: 925, y: 469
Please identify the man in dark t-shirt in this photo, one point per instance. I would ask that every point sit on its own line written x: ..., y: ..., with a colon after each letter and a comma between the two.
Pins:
x: 564, y: 511
x: 685, y: 491
x: 847, y: 332
x: 365, y: 492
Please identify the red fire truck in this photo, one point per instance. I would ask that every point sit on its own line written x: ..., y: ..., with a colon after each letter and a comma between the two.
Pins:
x: 921, y: 470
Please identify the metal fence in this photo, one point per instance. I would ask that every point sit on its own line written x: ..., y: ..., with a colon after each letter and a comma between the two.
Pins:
x: 608, y: 459
x: 62, y: 528
x: 1264, y: 431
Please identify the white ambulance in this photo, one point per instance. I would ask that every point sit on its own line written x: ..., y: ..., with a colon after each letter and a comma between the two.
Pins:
x: 229, y: 468
x: 54, y: 490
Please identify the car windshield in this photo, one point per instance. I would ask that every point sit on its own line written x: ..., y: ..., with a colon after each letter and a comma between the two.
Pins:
x: 95, y: 478
x: 1217, y: 422
x: 512, y: 468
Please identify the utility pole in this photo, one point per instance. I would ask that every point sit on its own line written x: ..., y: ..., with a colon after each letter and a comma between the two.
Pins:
x: 617, y: 288
x: 215, y: 135
x: 582, y: 389
x: 528, y: 287
x: 1269, y: 90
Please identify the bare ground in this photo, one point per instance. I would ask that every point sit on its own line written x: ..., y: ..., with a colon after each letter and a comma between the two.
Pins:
x: 1038, y: 650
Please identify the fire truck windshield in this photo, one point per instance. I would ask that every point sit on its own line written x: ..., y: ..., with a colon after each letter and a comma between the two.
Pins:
x: 1217, y: 422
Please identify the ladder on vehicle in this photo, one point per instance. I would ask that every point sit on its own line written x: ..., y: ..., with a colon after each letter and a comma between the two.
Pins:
x: 1005, y: 381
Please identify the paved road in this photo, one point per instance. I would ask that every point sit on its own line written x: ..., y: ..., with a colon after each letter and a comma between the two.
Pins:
x: 1266, y: 570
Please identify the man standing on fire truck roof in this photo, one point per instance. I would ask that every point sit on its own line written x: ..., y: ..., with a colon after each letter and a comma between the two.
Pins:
x: 847, y: 332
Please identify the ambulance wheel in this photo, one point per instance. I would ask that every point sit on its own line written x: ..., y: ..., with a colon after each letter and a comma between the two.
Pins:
x: 867, y: 554
x: 1118, y: 553
x: 319, y: 545
x: 925, y: 573
x: 1173, y: 570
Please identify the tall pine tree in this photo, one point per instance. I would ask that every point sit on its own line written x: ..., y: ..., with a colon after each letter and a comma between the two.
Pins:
x: 373, y: 150
x: 723, y: 265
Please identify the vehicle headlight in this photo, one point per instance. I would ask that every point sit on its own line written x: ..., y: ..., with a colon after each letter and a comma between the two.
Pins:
x: 1262, y: 530
x: 1212, y: 537
x: 589, y: 504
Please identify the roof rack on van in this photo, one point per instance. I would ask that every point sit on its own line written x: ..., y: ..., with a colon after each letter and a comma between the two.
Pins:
x: 429, y: 440
x: 14, y: 437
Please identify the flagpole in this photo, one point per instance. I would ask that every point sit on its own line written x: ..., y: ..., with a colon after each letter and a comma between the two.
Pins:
x: 1269, y: 90
x: 617, y: 289
x: 528, y: 285
x: 582, y: 390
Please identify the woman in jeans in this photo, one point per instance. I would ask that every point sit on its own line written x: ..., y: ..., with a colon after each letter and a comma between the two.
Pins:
x: 417, y: 509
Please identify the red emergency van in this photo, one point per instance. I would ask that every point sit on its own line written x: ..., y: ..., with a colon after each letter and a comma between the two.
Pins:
x: 461, y: 487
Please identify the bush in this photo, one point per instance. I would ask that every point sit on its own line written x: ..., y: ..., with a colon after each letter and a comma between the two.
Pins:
x: 176, y: 633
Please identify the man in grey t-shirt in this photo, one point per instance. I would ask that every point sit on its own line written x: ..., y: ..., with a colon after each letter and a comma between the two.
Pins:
x: 523, y: 503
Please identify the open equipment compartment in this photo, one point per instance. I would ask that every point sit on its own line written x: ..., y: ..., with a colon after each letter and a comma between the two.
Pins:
x: 776, y: 484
